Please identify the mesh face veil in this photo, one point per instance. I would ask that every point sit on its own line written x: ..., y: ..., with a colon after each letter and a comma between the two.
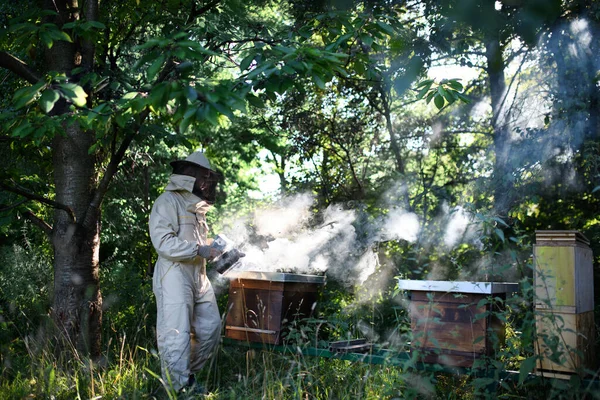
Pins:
x: 205, y: 186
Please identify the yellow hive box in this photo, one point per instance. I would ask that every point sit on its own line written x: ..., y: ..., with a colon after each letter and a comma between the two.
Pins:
x: 563, y: 279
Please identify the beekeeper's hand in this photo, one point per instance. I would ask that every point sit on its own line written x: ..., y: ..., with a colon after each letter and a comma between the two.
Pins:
x: 209, y: 252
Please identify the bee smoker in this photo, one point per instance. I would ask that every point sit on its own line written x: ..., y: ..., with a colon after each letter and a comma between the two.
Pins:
x: 230, y: 256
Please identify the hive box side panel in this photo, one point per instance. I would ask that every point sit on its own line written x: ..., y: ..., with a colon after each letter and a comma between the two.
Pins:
x: 584, y: 279
x: 554, y: 276
x: 565, y: 342
x: 448, y: 325
x: 299, y: 300
x: 254, y: 313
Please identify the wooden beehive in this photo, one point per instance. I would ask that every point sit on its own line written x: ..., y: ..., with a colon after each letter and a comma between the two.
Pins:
x: 453, y: 323
x: 261, y: 303
x: 565, y: 342
x: 563, y: 279
x: 564, y: 303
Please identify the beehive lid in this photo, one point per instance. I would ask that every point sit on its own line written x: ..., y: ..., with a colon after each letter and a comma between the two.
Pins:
x: 560, y: 237
x: 276, y: 277
x: 458, y: 286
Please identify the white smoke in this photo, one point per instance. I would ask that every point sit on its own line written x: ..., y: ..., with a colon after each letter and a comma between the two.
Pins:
x: 400, y: 225
x: 461, y: 228
x: 286, y: 238
x: 285, y: 219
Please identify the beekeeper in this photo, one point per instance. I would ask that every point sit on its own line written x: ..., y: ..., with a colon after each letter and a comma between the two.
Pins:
x: 188, y: 322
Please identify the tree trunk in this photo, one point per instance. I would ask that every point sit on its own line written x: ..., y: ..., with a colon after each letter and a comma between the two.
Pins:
x: 502, y: 175
x: 77, y: 306
x: 77, y: 303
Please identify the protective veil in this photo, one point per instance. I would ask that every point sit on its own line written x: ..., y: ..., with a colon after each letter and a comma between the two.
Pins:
x: 188, y: 321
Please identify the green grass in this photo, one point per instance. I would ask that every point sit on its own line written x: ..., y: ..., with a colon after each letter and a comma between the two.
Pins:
x: 130, y: 369
x: 132, y: 372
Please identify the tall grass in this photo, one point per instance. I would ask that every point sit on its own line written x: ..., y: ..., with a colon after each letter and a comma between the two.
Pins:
x: 32, y: 368
x: 131, y: 370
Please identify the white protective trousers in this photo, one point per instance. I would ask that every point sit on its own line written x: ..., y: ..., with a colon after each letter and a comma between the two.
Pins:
x: 188, y: 322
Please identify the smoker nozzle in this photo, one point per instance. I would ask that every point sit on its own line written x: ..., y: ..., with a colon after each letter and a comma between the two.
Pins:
x: 227, y: 260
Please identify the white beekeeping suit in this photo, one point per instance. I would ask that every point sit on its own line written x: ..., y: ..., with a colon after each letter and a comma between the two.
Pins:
x: 188, y: 320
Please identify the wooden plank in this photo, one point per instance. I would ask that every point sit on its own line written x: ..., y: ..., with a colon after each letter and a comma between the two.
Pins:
x: 256, y: 284
x: 249, y: 336
x: 561, y: 237
x: 458, y: 298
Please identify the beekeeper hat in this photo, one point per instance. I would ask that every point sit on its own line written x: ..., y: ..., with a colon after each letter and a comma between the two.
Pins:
x: 196, y: 159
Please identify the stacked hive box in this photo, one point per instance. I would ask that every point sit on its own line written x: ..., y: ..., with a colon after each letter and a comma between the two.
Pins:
x: 564, y: 303
x: 260, y: 303
x: 455, y: 323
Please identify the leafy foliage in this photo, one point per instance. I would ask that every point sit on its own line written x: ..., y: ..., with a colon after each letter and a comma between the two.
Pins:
x: 336, y: 100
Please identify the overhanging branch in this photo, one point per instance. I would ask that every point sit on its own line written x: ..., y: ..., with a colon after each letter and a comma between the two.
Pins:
x: 37, y: 221
x: 17, y: 204
x: 19, y: 67
x: 196, y: 12
x: 111, y: 170
x: 117, y: 156
x: 41, y: 199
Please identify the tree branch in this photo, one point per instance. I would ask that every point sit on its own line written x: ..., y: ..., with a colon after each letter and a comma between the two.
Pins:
x: 17, y: 204
x: 41, y: 199
x: 19, y: 67
x: 40, y: 223
x: 111, y: 170
x: 196, y: 12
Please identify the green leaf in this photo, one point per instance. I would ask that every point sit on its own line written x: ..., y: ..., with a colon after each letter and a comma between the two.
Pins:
x: 385, y: 27
x: 463, y: 98
x: 500, y: 221
x: 190, y: 93
x: 155, y: 66
x: 450, y: 96
x: 455, y: 84
x: 366, y: 39
x: 23, y: 129
x: 526, y: 368
x: 258, y: 70
x: 500, y: 234
x: 93, y: 24
x: 246, y: 62
x: 48, y: 99
x: 319, y: 81
x: 26, y: 95
x: 478, y: 339
x: 60, y: 36
x: 185, y: 123
x: 438, y: 100
x: 422, y: 92
x: 482, y: 302
x: 223, y: 110
x: 93, y: 148
x: 285, y: 50
x: 130, y: 95
x: 427, y: 82
x: 74, y: 93
x: 46, y: 39
x: 255, y: 101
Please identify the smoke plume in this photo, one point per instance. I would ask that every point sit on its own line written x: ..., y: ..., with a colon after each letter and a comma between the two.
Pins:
x: 290, y: 237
